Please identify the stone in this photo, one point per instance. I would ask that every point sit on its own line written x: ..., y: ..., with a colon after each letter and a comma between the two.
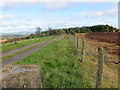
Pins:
x: 22, y: 76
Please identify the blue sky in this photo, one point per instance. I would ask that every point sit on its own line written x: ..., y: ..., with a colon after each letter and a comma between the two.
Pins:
x: 21, y: 17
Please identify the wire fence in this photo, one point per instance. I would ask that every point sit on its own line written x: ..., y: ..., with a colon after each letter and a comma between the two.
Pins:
x: 101, y: 64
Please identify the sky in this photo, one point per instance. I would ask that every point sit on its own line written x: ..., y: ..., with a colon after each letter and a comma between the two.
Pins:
x: 25, y: 17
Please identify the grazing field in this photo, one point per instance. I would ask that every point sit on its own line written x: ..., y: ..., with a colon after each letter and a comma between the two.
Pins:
x: 10, y: 46
x: 62, y: 67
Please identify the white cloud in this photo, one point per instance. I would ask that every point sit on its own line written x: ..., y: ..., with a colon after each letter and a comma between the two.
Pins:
x: 59, y: 0
x: 95, y: 14
x: 113, y: 11
x: 12, y: 27
x: 54, y: 22
x: 5, y: 17
x: 5, y: 24
x: 49, y: 5
x: 99, y: 14
x: 91, y: 13
x: 19, y: 28
x: 1, y: 4
x: 55, y: 5
x: 81, y: 13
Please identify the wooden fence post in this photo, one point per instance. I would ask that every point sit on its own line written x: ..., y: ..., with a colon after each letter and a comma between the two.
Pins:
x: 77, y: 42
x: 83, y: 50
x: 73, y: 39
x: 15, y: 40
x: 100, y: 68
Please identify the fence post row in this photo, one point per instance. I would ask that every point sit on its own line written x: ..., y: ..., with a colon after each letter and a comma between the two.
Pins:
x: 83, y: 50
x: 15, y: 40
x: 73, y: 38
x: 77, y: 43
x: 100, y: 60
x: 100, y: 68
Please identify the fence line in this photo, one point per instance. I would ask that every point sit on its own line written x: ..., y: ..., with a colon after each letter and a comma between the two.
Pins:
x: 77, y: 43
x: 100, y: 68
x: 100, y: 60
x: 83, y: 50
x: 15, y: 40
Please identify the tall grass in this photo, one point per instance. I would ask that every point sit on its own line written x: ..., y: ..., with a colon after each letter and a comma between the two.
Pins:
x: 60, y: 64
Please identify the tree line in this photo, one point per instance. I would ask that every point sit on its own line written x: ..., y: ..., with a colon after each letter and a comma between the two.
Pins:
x: 50, y: 32
x: 73, y: 30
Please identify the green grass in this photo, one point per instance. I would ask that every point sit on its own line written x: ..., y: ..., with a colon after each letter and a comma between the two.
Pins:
x: 10, y: 46
x: 61, y: 65
x: 13, y: 54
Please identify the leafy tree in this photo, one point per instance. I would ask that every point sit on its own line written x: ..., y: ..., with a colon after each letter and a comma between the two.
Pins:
x: 31, y: 35
x: 50, y: 31
x: 72, y: 30
x: 85, y: 30
x: 117, y: 30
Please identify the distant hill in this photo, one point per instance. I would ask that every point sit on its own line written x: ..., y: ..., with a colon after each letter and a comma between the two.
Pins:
x: 18, y: 33
x: 25, y: 33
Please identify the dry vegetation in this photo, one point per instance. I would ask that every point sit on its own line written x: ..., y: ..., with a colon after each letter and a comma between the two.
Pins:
x: 111, y: 59
x: 109, y: 41
x: 111, y: 37
x: 3, y: 41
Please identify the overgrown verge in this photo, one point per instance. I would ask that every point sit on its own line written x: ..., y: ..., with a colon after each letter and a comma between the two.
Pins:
x: 62, y: 68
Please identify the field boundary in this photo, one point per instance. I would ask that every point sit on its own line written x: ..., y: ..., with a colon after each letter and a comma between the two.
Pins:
x: 100, y: 59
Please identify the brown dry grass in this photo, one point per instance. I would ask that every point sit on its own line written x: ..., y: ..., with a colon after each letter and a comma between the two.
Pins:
x: 110, y: 48
x: 110, y: 75
x: 3, y: 41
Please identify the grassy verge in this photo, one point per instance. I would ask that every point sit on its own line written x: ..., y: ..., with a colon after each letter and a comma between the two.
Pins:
x: 60, y: 64
x: 13, y: 54
x: 10, y: 46
x: 62, y: 67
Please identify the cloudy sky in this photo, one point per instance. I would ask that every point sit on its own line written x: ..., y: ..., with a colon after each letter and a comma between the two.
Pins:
x: 21, y: 17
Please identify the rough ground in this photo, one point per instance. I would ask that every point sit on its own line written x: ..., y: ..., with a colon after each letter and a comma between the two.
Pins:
x: 26, y: 53
x: 19, y: 76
